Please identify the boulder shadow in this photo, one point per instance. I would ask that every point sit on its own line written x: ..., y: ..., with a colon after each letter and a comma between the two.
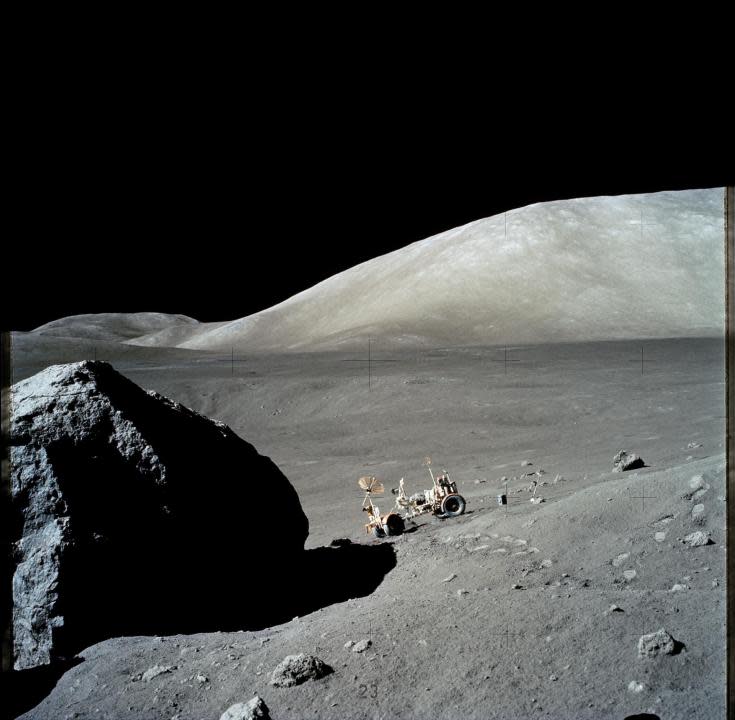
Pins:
x: 332, y: 575
x: 241, y: 597
x: 322, y: 577
x: 678, y: 647
x: 238, y: 601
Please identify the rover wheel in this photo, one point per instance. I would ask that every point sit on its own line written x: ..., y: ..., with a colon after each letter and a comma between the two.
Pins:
x: 395, y: 524
x: 378, y: 532
x: 453, y: 505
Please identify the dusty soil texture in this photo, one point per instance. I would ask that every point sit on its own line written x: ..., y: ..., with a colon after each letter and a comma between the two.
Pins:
x: 525, y: 628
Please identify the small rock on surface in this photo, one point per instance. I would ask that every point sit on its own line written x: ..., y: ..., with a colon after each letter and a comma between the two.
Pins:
x: 677, y: 587
x: 449, y: 578
x: 620, y: 559
x: 526, y: 463
x: 659, y: 536
x: 462, y: 591
x: 296, y: 669
x: 696, y: 482
x: 635, y: 687
x: 349, y: 644
x: 697, y: 511
x: 700, y: 537
x: 537, y: 500
x: 629, y: 575
x: 614, y: 609
x: 251, y: 710
x: 657, y: 643
x: 622, y: 461
x: 155, y: 671
x: 361, y: 645
x: 340, y: 542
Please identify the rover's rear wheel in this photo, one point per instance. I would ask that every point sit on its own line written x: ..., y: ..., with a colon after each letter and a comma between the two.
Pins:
x: 453, y: 505
x: 378, y: 532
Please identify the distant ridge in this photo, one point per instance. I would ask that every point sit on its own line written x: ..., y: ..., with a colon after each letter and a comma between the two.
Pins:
x: 113, y: 326
x: 569, y: 270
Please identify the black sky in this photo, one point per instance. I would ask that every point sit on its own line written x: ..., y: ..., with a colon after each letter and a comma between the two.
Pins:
x: 133, y: 191
x: 141, y: 227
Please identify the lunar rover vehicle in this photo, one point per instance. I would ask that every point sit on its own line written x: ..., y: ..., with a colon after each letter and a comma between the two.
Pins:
x: 442, y: 500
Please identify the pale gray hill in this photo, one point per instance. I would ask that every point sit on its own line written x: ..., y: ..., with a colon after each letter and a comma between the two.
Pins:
x: 173, y: 335
x: 115, y: 327
x: 630, y: 266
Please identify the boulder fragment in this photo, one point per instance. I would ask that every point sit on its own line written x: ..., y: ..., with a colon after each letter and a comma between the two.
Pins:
x: 623, y: 461
x: 254, y: 709
x: 155, y: 671
x: 698, y: 538
x: 361, y: 645
x: 657, y: 643
x: 297, y: 669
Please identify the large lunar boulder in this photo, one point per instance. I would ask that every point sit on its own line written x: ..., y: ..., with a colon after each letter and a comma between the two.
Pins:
x: 136, y: 515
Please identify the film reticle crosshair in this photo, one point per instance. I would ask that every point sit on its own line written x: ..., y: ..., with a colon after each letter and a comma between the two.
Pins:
x: 370, y: 360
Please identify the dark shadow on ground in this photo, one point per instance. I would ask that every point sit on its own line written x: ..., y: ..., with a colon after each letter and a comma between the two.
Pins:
x: 678, y: 647
x: 331, y: 575
x: 240, y: 597
x: 22, y: 690
x: 411, y: 529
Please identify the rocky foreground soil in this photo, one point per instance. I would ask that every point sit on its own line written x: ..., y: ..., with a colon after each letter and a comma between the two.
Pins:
x: 590, y: 604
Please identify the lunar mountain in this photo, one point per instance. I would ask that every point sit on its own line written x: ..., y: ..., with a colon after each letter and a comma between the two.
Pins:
x: 602, y: 268
x: 113, y: 327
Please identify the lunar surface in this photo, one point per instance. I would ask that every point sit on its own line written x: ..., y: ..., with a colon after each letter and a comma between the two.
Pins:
x: 591, y: 593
